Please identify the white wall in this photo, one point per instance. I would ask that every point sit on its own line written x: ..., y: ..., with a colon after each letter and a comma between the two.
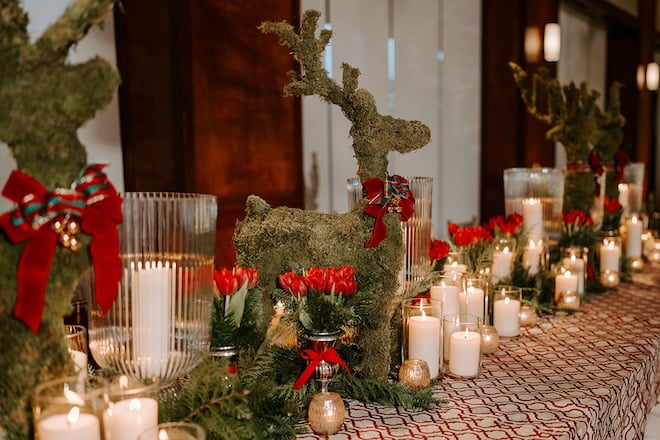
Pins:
x: 421, y: 59
x: 101, y: 135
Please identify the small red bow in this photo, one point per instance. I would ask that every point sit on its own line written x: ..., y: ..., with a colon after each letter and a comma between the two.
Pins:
x: 620, y: 161
x: 314, y: 357
x: 391, y: 195
x: 95, y: 202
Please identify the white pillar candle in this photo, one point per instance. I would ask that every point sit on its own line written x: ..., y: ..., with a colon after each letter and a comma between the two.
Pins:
x: 506, y: 317
x: 424, y: 341
x: 447, y: 294
x: 634, y: 227
x: 532, y: 257
x: 127, y: 419
x: 71, y: 426
x: 454, y: 268
x: 151, y: 307
x: 80, y: 361
x: 624, y: 197
x: 610, y: 256
x: 471, y: 302
x: 501, y: 268
x: 464, y: 353
x: 532, y: 212
x: 565, y: 282
x: 578, y: 265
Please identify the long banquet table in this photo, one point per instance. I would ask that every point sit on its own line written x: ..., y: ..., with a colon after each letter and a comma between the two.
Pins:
x: 588, y: 375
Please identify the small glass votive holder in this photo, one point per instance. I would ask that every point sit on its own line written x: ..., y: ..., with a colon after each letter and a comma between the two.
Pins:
x: 502, y: 264
x: 132, y: 408
x: 421, y: 336
x: 76, y: 341
x: 506, y: 310
x: 568, y: 299
x: 575, y: 259
x: 462, y: 342
x: 534, y: 256
x: 490, y: 340
x: 414, y: 374
x: 69, y: 408
x: 527, y: 315
x: 174, y: 431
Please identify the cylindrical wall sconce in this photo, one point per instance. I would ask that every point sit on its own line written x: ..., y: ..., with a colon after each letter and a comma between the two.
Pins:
x: 551, y: 42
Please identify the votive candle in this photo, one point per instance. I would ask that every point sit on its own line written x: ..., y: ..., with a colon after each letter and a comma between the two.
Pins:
x: 71, y: 426
x: 533, y: 218
x: 424, y: 341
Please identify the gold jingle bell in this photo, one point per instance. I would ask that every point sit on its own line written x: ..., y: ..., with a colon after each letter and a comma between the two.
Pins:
x: 67, y: 229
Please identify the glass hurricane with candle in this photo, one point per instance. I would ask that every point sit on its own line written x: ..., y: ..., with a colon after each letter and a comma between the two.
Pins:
x: 70, y: 408
x: 160, y: 323
x: 610, y: 258
x: 462, y: 345
x: 132, y: 407
x: 566, y: 285
x: 632, y: 228
x: 421, y: 335
x: 506, y: 310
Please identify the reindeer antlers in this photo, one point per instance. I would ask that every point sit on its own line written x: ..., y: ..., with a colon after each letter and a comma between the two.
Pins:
x: 374, y: 135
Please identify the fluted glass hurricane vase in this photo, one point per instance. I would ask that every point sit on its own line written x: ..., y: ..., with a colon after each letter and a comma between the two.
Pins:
x: 160, y: 322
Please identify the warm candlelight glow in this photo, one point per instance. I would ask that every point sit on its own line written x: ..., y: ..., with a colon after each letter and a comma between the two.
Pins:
x: 162, y: 435
x: 73, y: 416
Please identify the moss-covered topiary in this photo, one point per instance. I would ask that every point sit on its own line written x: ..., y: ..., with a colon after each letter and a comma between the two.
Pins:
x: 43, y: 101
x: 271, y: 239
x: 570, y: 112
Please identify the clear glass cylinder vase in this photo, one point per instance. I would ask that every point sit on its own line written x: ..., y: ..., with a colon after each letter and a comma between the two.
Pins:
x: 159, y: 325
x: 417, y: 233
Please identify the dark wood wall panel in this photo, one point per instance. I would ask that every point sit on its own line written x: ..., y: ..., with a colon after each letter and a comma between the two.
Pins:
x: 510, y: 136
x: 202, y: 107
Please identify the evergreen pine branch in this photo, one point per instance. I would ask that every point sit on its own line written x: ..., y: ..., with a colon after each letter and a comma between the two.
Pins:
x: 384, y: 393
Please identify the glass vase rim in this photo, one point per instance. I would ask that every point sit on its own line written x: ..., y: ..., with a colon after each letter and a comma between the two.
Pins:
x: 168, y: 195
x: 99, y: 387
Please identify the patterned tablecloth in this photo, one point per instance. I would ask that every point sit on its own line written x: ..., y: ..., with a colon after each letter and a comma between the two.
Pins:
x: 589, y: 375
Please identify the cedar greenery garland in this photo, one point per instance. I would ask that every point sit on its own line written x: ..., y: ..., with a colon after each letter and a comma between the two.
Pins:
x: 44, y: 100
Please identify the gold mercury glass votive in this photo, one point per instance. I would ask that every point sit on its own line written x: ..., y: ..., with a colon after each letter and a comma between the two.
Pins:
x: 415, y: 374
x: 527, y: 315
x: 490, y: 340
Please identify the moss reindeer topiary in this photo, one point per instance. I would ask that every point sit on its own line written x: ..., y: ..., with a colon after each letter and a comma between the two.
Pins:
x: 271, y: 239
x: 44, y: 99
x: 570, y: 112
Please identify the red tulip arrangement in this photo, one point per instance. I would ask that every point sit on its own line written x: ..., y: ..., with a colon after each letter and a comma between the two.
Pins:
x: 320, y: 294
x: 612, y: 211
x: 577, y: 229
x: 475, y: 241
x: 230, y: 304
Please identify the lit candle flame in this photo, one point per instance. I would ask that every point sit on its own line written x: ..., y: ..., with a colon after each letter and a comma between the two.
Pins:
x: 162, y: 435
x: 73, y: 416
x: 123, y: 382
x: 134, y: 405
x: 467, y: 332
x: 507, y: 300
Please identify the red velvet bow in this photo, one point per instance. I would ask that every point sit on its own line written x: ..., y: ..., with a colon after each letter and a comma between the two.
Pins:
x: 391, y: 195
x: 95, y: 202
x: 597, y: 168
x: 314, y: 357
x: 620, y: 161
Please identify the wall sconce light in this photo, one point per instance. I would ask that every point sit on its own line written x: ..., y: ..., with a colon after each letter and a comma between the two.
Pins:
x: 652, y: 76
x: 532, y: 44
x: 551, y: 42
x: 648, y: 76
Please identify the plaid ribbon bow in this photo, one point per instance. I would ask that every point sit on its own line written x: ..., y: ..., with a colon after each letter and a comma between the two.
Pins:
x: 94, y: 202
x: 390, y: 195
